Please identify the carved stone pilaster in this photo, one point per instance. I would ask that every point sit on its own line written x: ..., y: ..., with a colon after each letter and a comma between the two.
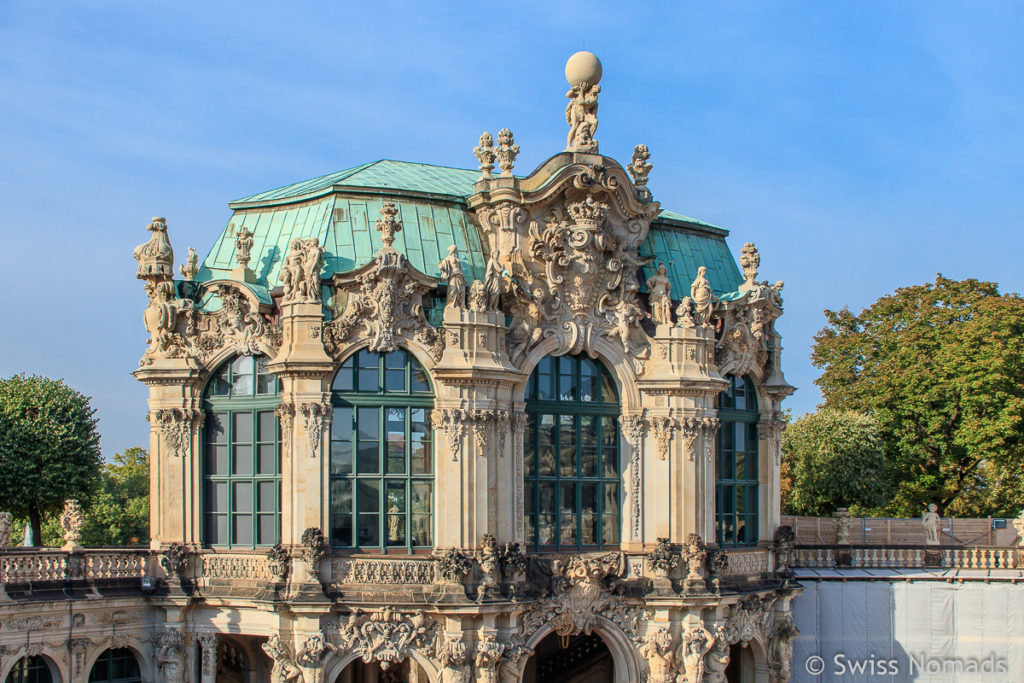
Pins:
x: 771, y: 431
x: 286, y: 417
x: 317, y: 417
x: 632, y: 427
x: 79, y: 655
x: 453, y: 655
x: 483, y: 424
x: 709, y: 428
x: 208, y: 643
x: 502, y: 422
x: 690, y: 428
x: 519, y: 435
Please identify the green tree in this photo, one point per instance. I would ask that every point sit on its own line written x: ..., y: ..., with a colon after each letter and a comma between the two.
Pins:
x: 49, y: 448
x: 118, y: 513
x: 833, y: 459
x: 940, y: 367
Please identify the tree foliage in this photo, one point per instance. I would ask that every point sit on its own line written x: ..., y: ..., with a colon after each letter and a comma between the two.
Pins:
x: 49, y: 447
x: 940, y: 367
x: 833, y: 459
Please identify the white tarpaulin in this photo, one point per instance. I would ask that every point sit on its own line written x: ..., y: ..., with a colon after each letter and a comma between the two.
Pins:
x: 904, y: 627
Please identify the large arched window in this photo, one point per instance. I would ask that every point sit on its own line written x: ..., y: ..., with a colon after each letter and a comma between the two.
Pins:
x: 382, y: 455
x: 30, y: 670
x: 241, y: 467
x: 116, y: 666
x: 736, y: 477
x: 571, y: 459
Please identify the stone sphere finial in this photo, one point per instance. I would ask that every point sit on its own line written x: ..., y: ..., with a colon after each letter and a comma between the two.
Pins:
x: 583, y: 67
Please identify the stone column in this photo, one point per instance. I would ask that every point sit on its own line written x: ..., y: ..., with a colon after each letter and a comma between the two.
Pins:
x: 208, y: 643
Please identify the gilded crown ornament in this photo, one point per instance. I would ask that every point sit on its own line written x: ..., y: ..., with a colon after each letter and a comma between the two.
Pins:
x: 588, y: 212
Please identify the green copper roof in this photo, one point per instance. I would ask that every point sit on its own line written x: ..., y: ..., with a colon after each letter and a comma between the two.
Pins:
x: 340, y: 209
x: 385, y: 174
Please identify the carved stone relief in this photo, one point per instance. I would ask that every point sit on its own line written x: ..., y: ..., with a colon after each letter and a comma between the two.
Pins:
x: 663, y: 426
x: 300, y: 271
x: 284, y: 669
x: 177, y: 426
x: 452, y: 421
x: 236, y: 326
x: 385, y: 299
x: 386, y: 637
x: 317, y: 417
x: 632, y: 427
x: 748, y: 322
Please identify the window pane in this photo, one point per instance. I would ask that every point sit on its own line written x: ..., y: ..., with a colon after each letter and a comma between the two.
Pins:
x: 610, y: 529
x: 267, y: 462
x: 266, y: 426
x: 610, y: 503
x: 369, y: 530
x: 216, y: 460
x: 588, y: 513
x: 567, y: 445
x: 369, y: 380
x: 369, y: 457
x: 369, y: 495
x: 242, y: 376
x: 396, y: 496
x: 266, y: 496
x: 422, y: 532
x: 267, y: 530
x: 341, y: 458
x: 394, y: 360
x: 369, y: 429
x: 420, y: 444
x: 216, y: 427
x: 420, y: 384
x: 220, y: 385
x: 343, y: 380
x: 341, y: 529
x: 395, y: 429
x: 396, y: 529
x: 341, y: 424
x: 610, y: 463
x: 741, y: 468
x: 216, y: 496
x: 422, y: 492
x: 566, y: 379
x: 265, y: 382
x: 242, y: 461
x: 608, y: 394
x: 589, y: 378
x: 216, y: 529
x: 242, y: 497
x: 394, y: 381
x: 243, y: 428
x: 242, y: 532
x: 588, y: 462
x: 341, y: 495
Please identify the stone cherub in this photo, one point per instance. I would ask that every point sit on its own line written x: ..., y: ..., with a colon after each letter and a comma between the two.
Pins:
x: 659, y: 289
x: 930, y: 520
x: 451, y: 272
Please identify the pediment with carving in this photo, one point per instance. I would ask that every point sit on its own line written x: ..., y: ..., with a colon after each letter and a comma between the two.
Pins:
x: 568, y: 243
x: 237, y: 327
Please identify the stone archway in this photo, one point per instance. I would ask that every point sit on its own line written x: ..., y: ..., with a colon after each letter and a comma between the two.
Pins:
x: 358, y: 671
x: 570, y: 659
x: 627, y: 667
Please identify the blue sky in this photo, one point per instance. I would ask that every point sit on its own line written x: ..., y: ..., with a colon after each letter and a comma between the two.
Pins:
x: 862, y: 146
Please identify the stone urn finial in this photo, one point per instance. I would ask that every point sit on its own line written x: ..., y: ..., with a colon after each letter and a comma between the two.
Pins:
x: 72, y: 519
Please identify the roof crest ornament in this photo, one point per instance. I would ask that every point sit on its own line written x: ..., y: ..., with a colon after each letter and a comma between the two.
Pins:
x: 389, y: 224
x: 640, y: 167
x: 750, y: 261
x: 485, y: 154
x: 243, y: 246
x: 506, y: 151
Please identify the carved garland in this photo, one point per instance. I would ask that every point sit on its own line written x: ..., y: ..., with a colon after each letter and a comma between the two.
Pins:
x: 453, y: 422
x: 317, y: 418
x: 663, y: 426
x: 519, y: 434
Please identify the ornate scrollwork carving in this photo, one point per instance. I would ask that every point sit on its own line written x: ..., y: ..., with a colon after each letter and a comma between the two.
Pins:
x: 168, y: 320
x: 453, y: 564
x: 314, y: 549
x: 386, y: 637
x: 664, y: 558
x: 482, y: 422
x: 709, y: 427
x: 518, y: 435
x: 176, y: 427
x: 278, y: 561
x: 236, y: 326
x: 385, y: 299
x: 663, y: 426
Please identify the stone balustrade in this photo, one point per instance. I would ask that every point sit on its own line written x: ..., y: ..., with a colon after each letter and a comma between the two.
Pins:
x: 27, y: 565
x: 905, y: 557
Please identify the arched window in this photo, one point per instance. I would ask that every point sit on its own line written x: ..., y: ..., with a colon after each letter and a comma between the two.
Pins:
x: 241, y: 467
x: 30, y: 670
x: 116, y: 666
x: 736, y: 477
x: 382, y: 455
x: 571, y: 459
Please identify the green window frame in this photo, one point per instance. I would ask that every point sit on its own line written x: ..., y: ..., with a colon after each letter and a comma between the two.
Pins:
x: 241, y: 459
x: 571, y: 469
x: 30, y: 670
x: 116, y: 665
x: 736, y: 476
x: 382, y: 454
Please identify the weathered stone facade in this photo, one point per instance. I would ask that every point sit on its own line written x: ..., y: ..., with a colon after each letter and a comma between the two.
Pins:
x: 567, y: 255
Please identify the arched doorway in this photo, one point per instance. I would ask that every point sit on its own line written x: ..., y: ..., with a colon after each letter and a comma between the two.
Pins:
x: 741, y: 664
x: 31, y: 670
x: 232, y: 664
x: 570, y: 659
x: 407, y: 671
x: 116, y: 665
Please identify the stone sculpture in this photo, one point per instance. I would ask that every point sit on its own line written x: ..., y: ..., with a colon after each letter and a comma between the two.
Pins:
x: 485, y: 154
x: 284, y: 670
x: 843, y: 522
x: 506, y: 151
x: 451, y: 272
x: 640, y: 167
x: 243, y: 246
x: 190, y: 268
x: 6, y: 522
x: 71, y: 521
x: 930, y: 520
x: 583, y: 71
x: 703, y: 298
x: 170, y: 656
x: 300, y: 272
x: 659, y: 289
x: 660, y: 655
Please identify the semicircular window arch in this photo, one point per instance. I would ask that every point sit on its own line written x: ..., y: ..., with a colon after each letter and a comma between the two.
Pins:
x: 572, y: 480
x: 241, y: 457
x: 381, y: 454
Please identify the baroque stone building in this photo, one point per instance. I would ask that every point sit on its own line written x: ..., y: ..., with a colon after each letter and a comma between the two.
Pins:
x: 417, y: 423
